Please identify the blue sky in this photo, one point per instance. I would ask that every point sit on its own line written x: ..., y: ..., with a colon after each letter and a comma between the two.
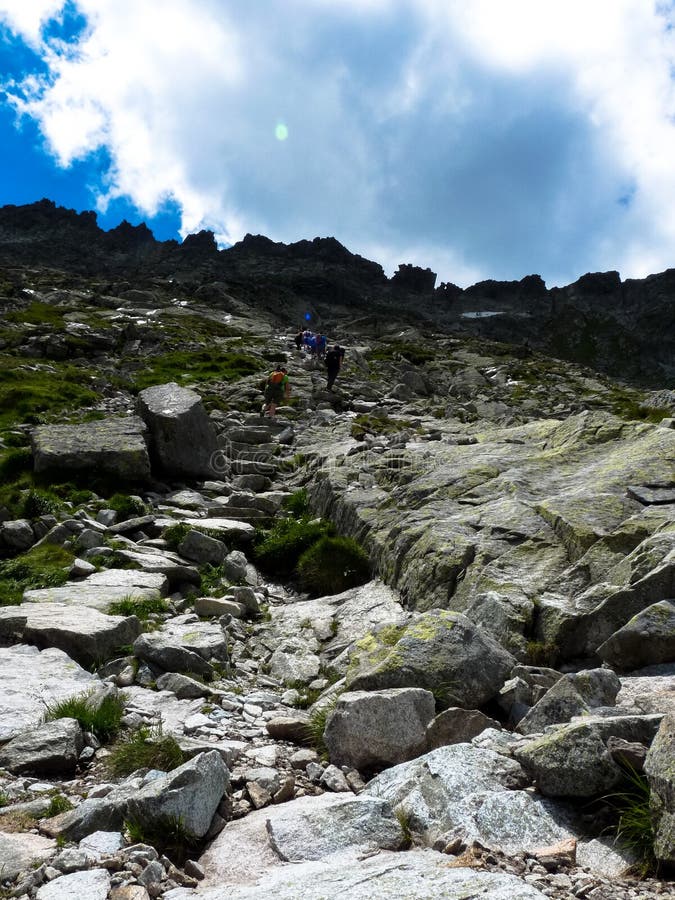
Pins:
x: 482, y: 138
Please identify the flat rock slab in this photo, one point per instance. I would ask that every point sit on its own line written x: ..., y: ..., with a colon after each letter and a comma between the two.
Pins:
x: 167, y: 564
x: 93, y: 884
x: 226, y: 529
x: 422, y: 874
x: 20, y: 852
x: 171, y: 646
x: 115, y: 446
x: 652, y: 494
x: 86, y: 635
x: 32, y: 679
x: 103, y: 588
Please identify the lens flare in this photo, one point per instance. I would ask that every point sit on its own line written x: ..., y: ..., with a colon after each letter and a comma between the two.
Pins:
x: 281, y: 132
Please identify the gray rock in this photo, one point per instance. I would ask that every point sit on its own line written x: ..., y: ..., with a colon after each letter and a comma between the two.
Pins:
x: 202, y: 549
x: 102, y: 843
x: 93, y: 884
x: 85, y: 634
x: 184, y: 647
x: 191, y: 793
x: 182, y: 437
x: 23, y: 851
x: 661, y: 774
x: 647, y: 639
x: 443, y: 792
x: 245, y: 595
x: 441, y: 651
x: 103, y: 588
x: 572, y: 695
x: 294, y: 664
x: 183, y: 687
x: 32, y: 679
x: 369, y: 730
x: 17, y: 535
x: 51, y: 749
x: 234, y: 566
x: 419, y: 874
x: 116, y: 447
x: 218, y: 606
x: 457, y: 726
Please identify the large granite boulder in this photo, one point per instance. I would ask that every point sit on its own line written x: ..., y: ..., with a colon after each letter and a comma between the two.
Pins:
x: 184, y: 647
x: 114, y: 447
x: 647, y: 639
x: 182, y: 437
x: 441, y: 651
x: 32, y: 679
x: 660, y: 769
x: 86, y: 635
x: 572, y: 695
x: 52, y: 748
x: 100, y: 590
x: 373, y: 729
x: 20, y: 852
x: 575, y: 761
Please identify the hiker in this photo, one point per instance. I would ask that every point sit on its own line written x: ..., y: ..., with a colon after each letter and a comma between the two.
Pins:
x: 321, y: 342
x: 298, y: 339
x: 277, y: 389
x: 333, y: 363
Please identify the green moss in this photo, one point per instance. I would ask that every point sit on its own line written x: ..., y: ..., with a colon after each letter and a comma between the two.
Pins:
x: 126, y: 507
x: 279, y: 548
x: 333, y: 565
x: 42, y: 567
x: 38, y: 313
x: 198, y: 365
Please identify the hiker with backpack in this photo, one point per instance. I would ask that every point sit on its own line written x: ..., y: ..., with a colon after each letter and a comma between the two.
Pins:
x: 333, y: 361
x: 277, y: 389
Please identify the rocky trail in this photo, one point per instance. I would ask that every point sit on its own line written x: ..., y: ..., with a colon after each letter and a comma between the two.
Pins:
x: 185, y: 713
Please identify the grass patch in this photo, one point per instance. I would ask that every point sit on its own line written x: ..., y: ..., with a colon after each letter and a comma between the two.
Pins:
x: 333, y: 565
x: 141, y: 607
x: 540, y: 653
x: 57, y: 805
x: 279, y: 549
x: 634, y: 829
x: 368, y: 423
x: 126, y: 507
x: 297, y: 504
x: 38, y: 503
x: 145, y: 748
x: 41, y: 567
x: 199, y: 365
x: 28, y: 393
x: 176, y: 534
x: 395, y: 351
x: 102, y: 719
x: 37, y: 313
x: 167, y: 834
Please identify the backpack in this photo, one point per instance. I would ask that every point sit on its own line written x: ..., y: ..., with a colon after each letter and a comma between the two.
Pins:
x: 276, y: 378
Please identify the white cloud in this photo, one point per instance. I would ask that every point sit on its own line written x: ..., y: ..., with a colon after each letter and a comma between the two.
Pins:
x: 489, y: 139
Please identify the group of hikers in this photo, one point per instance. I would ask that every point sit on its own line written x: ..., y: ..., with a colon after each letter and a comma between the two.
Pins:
x: 278, y: 386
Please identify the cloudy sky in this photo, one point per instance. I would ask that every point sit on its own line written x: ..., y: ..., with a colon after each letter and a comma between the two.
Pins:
x: 482, y: 138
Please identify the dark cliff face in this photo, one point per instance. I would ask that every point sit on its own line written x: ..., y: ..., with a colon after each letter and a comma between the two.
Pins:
x: 624, y: 328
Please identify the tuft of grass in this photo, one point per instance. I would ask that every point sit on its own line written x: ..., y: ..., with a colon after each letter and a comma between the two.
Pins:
x: 297, y: 504
x: 57, y: 805
x: 141, y: 607
x: 145, y: 748
x: 126, y: 507
x: 167, y: 834
x: 38, y: 503
x: 634, y: 828
x: 279, y: 549
x: 15, y: 462
x: 316, y: 726
x: 333, y: 565
x: 103, y: 719
x: 540, y: 653
x: 175, y: 535
x: 404, y: 820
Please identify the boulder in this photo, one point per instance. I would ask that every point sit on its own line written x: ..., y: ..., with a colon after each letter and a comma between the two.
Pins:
x: 421, y: 874
x: 191, y: 793
x: 184, y: 647
x: 647, y: 639
x: 32, y: 679
x: 471, y: 793
x: 369, y: 730
x: 102, y: 589
x: 93, y: 884
x: 23, y: 851
x: 202, y: 549
x: 16, y: 535
x: 572, y: 695
x: 52, y: 748
x: 660, y: 770
x: 182, y: 437
x: 293, y: 664
x: 85, y: 634
x: 575, y: 761
x: 457, y: 726
x: 440, y: 651
x: 114, y: 447
x: 182, y: 686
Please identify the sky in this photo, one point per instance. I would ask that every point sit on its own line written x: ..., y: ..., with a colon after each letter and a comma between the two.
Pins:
x: 480, y: 138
